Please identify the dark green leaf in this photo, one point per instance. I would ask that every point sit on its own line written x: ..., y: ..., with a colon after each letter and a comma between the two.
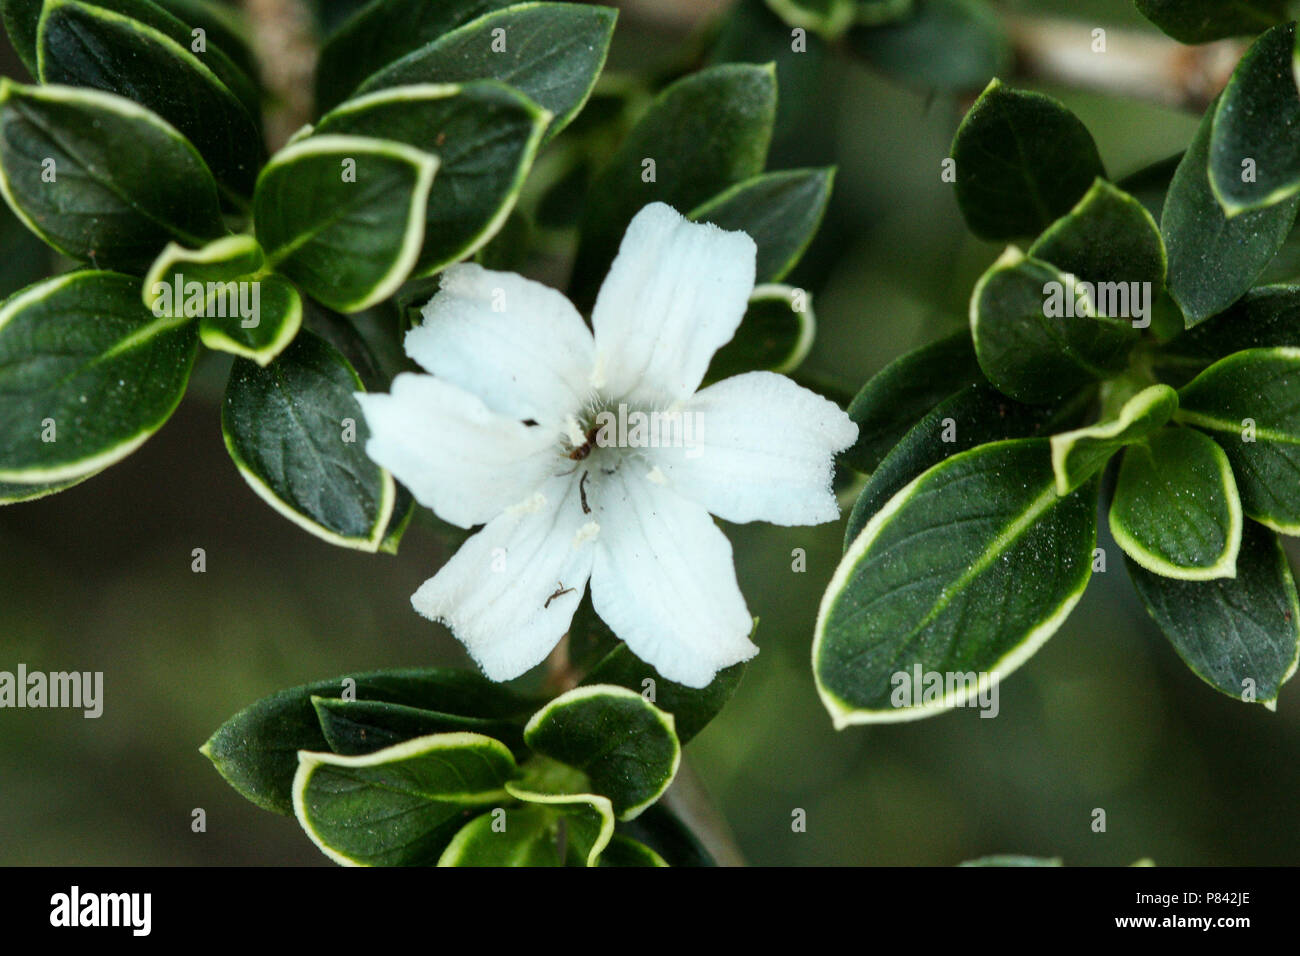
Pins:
x: 1250, y: 403
x: 1265, y: 317
x: 829, y: 18
x: 976, y: 415
x: 1213, y: 260
x: 1079, y: 454
x: 1002, y: 559
x: 83, y: 45
x: 343, y: 216
x: 485, y: 137
x: 703, y: 134
x: 87, y: 374
x: 268, y: 316
x: 624, y: 851
x: 402, y: 805
x: 661, y: 830
x: 901, y: 393
x: 780, y: 211
x: 551, y: 52
x: 124, y: 182
x: 256, y: 750
x: 383, y: 31
x: 1239, y: 635
x: 296, y: 432
x: 692, y: 708
x: 1200, y: 21
x: 775, y: 334
x: 1039, y: 335
x: 1255, y: 136
x: 623, y: 743
x: 1176, y: 511
x: 353, y: 727
x: 1107, y: 238
x: 1023, y: 161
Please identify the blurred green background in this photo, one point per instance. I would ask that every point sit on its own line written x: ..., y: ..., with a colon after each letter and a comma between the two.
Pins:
x: 1106, y: 716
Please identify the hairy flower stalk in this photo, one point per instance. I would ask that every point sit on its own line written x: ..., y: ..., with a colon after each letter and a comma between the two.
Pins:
x: 589, y: 456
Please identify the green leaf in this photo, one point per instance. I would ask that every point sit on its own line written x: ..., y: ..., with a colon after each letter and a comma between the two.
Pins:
x: 20, y: 19
x: 1255, y: 134
x: 1078, y: 455
x: 295, y: 431
x: 1023, y: 161
x: 1265, y: 317
x: 354, y: 727
x: 976, y: 415
x: 125, y: 182
x: 1213, y: 260
x: 485, y: 136
x: 176, y: 19
x: 775, y: 334
x: 553, y: 54
x: 1200, y: 21
x: 256, y: 750
x: 827, y: 18
x: 551, y: 829
x: 383, y: 31
x: 87, y: 374
x: 12, y: 493
x: 704, y: 133
x: 402, y: 805
x: 661, y: 830
x: 692, y: 708
x: 946, y: 45
x: 224, y: 25
x: 83, y: 45
x: 1240, y: 635
x: 1176, y: 510
x: 901, y: 393
x: 224, y: 259
x: 1004, y: 560
x: 242, y: 310
x: 1107, y: 238
x: 627, y: 746
x: 343, y: 216
x: 624, y: 851
x: 780, y: 211
x: 268, y: 316
x: 1250, y: 403
x: 1039, y: 335
x: 24, y: 258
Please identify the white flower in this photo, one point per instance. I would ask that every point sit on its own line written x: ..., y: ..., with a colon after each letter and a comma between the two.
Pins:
x: 503, y: 434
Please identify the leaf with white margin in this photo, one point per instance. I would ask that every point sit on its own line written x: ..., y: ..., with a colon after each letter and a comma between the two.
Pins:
x: 1176, y: 511
x: 1257, y: 119
x: 126, y: 182
x: 553, y: 54
x: 1078, y: 455
x: 402, y: 805
x: 550, y: 829
x: 1232, y: 630
x: 625, y: 745
x: 780, y: 211
x: 1034, y: 357
x: 286, y: 428
x: 343, y: 216
x: 485, y: 136
x: 275, y: 318
x: 1002, y: 560
x: 1250, y: 403
x: 775, y: 335
x: 80, y: 354
x: 230, y: 257
x: 624, y: 851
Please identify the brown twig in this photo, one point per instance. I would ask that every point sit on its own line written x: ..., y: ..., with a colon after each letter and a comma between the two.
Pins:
x: 285, y: 42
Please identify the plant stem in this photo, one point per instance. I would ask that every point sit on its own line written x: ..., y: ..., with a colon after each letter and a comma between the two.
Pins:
x: 688, y: 798
x: 285, y: 43
x: 1135, y: 64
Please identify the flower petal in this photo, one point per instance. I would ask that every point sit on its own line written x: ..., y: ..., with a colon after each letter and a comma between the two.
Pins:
x: 759, y: 448
x: 501, y: 592
x: 676, y: 292
x: 663, y: 580
x: 518, y: 345
x: 456, y: 456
